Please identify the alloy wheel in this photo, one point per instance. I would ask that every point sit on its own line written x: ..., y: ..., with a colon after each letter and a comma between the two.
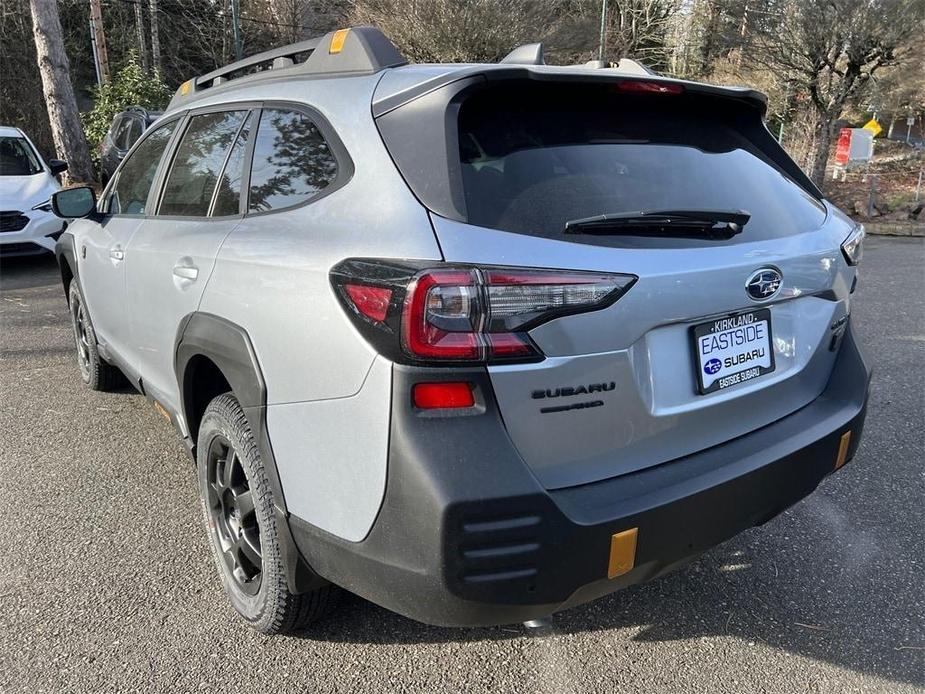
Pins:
x: 232, y: 515
x: 81, y: 336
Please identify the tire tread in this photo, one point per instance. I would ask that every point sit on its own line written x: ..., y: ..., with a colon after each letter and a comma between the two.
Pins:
x: 282, y: 612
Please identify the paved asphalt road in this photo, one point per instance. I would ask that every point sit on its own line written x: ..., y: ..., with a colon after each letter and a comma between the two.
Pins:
x: 106, y: 582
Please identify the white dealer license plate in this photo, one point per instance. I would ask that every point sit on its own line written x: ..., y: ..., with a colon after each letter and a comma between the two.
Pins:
x: 733, y: 350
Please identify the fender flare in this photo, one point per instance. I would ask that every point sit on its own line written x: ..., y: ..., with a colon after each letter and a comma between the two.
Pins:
x: 65, y: 253
x: 229, y: 347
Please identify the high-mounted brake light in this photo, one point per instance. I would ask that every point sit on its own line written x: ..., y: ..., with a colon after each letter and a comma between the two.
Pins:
x: 647, y: 87
x: 465, y: 314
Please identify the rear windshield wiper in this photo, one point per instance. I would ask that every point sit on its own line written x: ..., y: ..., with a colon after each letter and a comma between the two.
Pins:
x: 705, y: 224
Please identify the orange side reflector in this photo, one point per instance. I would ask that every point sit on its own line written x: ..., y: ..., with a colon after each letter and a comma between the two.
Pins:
x: 843, y: 449
x: 622, y: 553
x: 161, y: 411
x: 337, y: 41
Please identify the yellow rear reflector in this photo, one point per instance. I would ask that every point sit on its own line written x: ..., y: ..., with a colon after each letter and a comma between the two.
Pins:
x: 622, y: 553
x: 337, y: 40
x: 185, y: 87
x: 843, y: 449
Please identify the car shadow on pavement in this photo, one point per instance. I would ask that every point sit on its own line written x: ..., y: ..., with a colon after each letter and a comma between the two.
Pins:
x: 26, y: 272
x: 739, y: 591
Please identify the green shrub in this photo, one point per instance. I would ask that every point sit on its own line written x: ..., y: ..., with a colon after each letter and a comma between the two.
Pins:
x: 131, y: 86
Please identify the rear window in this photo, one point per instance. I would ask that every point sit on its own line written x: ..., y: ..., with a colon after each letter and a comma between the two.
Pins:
x: 292, y: 161
x: 534, y: 157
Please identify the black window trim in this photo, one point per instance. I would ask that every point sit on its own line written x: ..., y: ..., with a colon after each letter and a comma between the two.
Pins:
x: 345, y: 167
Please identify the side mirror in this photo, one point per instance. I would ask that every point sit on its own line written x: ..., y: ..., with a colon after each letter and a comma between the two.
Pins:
x: 74, y: 202
x: 57, y: 166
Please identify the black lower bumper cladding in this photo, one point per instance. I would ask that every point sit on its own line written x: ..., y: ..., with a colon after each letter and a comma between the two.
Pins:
x: 466, y: 536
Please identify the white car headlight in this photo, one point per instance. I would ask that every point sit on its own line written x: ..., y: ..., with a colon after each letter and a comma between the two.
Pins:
x: 853, y: 246
x: 43, y: 206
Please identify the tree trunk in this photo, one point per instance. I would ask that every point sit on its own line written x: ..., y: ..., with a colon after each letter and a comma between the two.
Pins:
x: 709, y: 39
x: 140, y: 35
x: 66, y: 130
x: 822, y: 146
x: 155, y: 39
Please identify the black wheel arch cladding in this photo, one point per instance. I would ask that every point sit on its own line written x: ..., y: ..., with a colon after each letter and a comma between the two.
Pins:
x: 228, y: 347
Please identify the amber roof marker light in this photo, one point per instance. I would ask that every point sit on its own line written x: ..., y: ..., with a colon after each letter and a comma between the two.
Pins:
x: 337, y: 41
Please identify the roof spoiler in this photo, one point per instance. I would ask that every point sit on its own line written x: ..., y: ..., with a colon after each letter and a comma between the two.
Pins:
x: 358, y: 50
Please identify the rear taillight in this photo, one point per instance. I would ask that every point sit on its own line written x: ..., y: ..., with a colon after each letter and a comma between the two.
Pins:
x: 463, y: 313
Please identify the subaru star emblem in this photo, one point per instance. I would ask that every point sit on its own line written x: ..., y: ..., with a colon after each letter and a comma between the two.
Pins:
x: 764, y: 283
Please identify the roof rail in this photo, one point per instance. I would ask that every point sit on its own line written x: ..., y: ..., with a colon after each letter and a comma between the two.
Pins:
x: 528, y: 54
x: 358, y: 50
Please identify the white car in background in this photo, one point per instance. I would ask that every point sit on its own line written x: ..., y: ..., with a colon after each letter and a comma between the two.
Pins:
x: 27, y: 224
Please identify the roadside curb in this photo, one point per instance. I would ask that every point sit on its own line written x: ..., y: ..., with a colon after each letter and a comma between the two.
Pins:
x: 895, y: 229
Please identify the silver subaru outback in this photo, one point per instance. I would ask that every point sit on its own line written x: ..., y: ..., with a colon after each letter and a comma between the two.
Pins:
x: 475, y: 342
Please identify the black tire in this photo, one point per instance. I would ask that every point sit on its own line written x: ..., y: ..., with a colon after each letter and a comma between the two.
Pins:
x: 240, y: 520
x: 94, y: 371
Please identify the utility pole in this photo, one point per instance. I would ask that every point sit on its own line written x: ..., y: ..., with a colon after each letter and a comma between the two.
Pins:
x: 96, y: 55
x: 600, y: 46
x: 140, y: 34
x: 236, y: 29
x: 155, y: 37
x: 96, y: 21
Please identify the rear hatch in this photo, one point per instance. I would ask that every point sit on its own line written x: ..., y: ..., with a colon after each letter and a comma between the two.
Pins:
x: 727, y: 329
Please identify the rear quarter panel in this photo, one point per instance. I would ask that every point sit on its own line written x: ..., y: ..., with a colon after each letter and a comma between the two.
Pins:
x: 328, y: 394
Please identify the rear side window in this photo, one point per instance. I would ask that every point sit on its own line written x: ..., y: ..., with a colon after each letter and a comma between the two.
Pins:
x: 292, y: 161
x: 199, y: 159
x: 133, y: 183
x: 535, y: 157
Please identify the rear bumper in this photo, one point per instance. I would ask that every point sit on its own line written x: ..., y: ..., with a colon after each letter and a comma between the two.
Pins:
x: 467, y: 536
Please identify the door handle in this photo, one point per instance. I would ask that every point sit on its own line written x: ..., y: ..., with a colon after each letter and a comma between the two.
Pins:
x: 186, y: 272
x: 117, y: 254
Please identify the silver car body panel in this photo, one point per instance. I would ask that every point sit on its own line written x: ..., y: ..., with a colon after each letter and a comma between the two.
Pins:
x: 328, y: 392
x: 167, y: 266
x: 102, y: 278
x: 331, y: 455
x: 643, y: 345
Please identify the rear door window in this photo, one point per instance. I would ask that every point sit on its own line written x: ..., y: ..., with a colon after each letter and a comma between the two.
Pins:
x: 129, y: 193
x: 292, y: 161
x: 535, y: 157
x: 198, y: 162
x: 228, y: 196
